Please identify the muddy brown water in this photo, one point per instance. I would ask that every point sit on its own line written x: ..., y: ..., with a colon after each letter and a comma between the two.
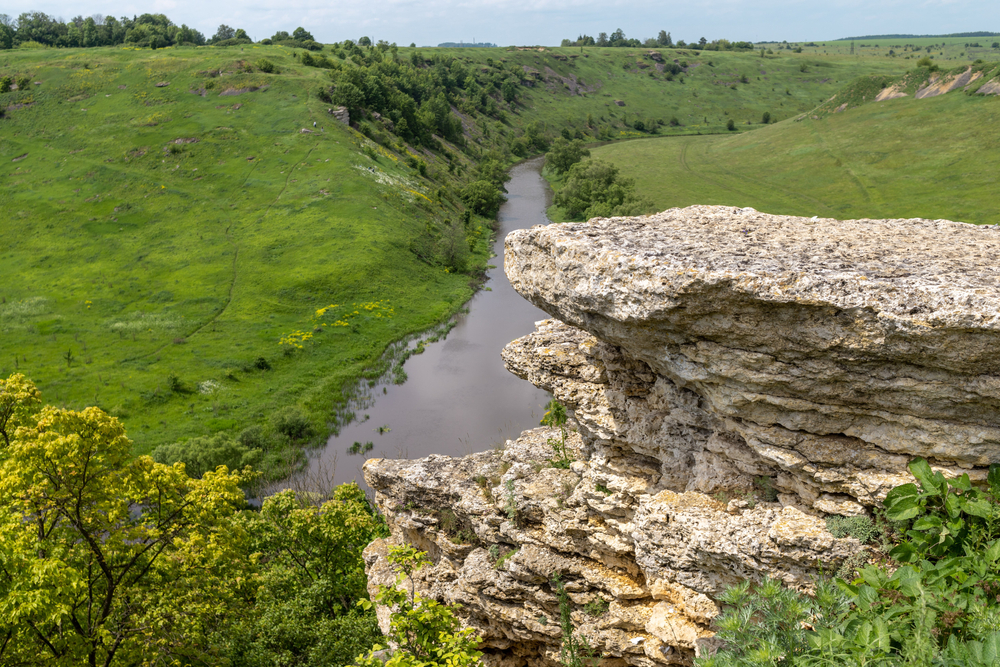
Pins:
x: 458, y: 397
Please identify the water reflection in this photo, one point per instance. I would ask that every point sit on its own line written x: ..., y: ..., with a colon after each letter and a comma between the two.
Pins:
x: 458, y: 397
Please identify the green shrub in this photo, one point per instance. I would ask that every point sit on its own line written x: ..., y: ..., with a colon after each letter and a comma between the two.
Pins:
x: 564, y: 154
x: 265, y: 65
x: 938, y: 604
x: 293, y: 423
x: 594, y: 189
x: 861, y: 528
x: 202, y: 454
x: 5, y: 84
x: 731, y: 125
x: 483, y: 197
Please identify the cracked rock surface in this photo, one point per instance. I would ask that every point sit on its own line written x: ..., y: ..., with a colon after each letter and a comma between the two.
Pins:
x: 707, y: 354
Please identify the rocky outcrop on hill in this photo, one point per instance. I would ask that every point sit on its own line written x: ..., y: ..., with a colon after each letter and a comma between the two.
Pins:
x: 734, y: 378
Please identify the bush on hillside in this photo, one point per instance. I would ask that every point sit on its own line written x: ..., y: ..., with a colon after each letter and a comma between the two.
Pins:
x: 595, y: 189
x: 483, y: 197
x: 564, y: 154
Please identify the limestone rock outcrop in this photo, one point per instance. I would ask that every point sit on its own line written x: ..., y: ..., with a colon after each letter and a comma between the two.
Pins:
x: 734, y: 377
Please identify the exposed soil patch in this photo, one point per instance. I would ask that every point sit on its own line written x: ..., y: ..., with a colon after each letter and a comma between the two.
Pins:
x: 15, y: 107
x: 20, y: 157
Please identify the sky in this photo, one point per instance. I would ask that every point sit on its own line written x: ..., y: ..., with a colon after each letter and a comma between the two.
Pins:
x: 547, y: 22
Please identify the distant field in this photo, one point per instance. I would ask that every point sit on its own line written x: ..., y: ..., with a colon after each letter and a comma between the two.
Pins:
x: 702, y: 98
x: 932, y: 158
x: 150, y: 232
x: 949, y: 50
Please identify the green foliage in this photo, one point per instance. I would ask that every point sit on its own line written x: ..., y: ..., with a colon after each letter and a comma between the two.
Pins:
x: 128, y: 548
x: 861, y: 528
x: 265, y: 65
x: 731, y: 125
x: 564, y: 154
x: 594, y: 188
x: 564, y: 457
x: 425, y: 632
x: 5, y: 84
x: 941, y: 606
x: 483, y: 197
x: 766, y: 118
x: 555, y: 413
x: 574, y: 650
x: 510, y: 506
x: 760, y: 625
x: 765, y: 485
x: 948, y: 518
x: 206, y: 453
x: 597, y: 607
x: 303, y: 609
x: 359, y: 448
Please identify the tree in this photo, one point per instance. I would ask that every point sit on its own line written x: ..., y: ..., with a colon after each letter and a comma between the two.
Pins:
x: 702, y: 42
x: 594, y: 189
x: 104, y: 558
x: 302, y: 35
x: 426, y: 633
x: 483, y: 197
x: 304, y: 609
x: 766, y: 118
x: 241, y: 34
x: 731, y: 125
x: 224, y: 32
x: 6, y: 37
x: 564, y: 154
x: 365, y: 41
x: 664, y: 39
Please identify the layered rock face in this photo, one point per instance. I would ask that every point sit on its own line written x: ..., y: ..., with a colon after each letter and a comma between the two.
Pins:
x: 734, y: 377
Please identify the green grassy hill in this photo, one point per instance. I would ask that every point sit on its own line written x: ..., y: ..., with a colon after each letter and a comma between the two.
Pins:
x: 152, y: 232
x: 930, y: 158
x: 171, y: 216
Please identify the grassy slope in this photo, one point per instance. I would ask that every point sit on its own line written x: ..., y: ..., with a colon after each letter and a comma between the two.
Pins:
x: 932, y: 158
x: 211, y: 257
x: 711, y: 92
x: 219, y: 250
x: 949, y: 49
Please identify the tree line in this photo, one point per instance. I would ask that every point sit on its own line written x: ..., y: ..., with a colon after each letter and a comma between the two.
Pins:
x: 662, y: 40
x: 147, y: 31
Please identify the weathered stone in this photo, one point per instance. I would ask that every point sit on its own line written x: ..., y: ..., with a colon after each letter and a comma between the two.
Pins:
x: 878, y: 331
x: 734, y: 377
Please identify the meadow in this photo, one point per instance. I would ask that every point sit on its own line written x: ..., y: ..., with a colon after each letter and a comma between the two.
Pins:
x: 931, y: 158
x: 197, y: 246
x: 166, y: 228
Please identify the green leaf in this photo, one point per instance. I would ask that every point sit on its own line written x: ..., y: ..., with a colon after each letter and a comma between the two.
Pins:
x: 993, y: 479
x: 927, y: 523
x: 903, y: 508
x: 930, y: 482
x: 962, y: 483
x: 902, y: 491
x: 992, y: 552
x: 905, y: 553
x: 978, y: 507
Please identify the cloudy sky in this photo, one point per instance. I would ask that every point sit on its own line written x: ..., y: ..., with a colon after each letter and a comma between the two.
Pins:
x: 506, y: 22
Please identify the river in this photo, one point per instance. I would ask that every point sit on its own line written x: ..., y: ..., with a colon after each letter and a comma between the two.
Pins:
x: 458, y: 397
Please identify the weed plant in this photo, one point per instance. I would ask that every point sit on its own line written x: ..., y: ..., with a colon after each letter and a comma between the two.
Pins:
x: 935, y: 602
